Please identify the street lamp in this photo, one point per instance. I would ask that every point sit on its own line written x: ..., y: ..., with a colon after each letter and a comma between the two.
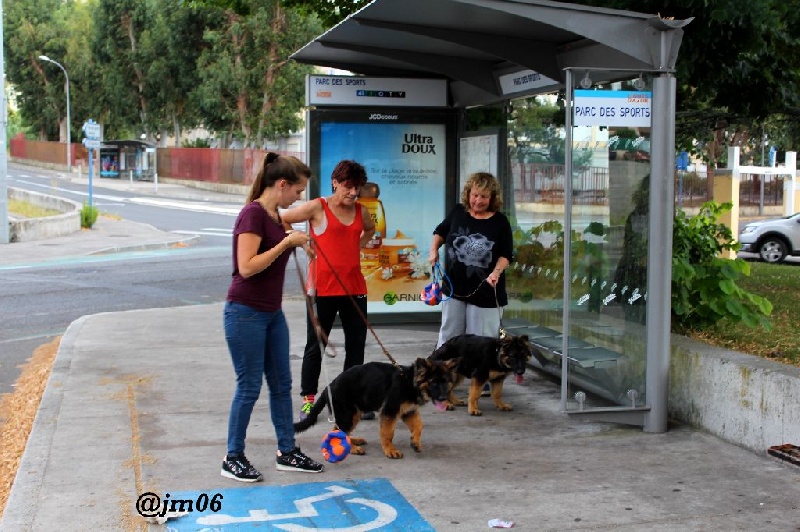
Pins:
x: 66, y: 85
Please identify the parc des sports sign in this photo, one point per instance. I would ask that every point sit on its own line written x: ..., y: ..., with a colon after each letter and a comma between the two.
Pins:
x: 612, y: 108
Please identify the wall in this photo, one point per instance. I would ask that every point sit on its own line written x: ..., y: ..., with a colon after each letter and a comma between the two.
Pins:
x: 25, y: 230
x: 743, y: 399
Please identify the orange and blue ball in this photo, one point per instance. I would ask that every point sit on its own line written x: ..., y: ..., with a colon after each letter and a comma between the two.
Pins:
x: 335, y: 446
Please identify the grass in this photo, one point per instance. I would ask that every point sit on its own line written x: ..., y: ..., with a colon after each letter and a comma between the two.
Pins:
x: 25, y: 209
x: 780, y: 284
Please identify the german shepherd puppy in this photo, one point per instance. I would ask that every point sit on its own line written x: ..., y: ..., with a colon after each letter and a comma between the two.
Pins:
x: 484, y: 359
x: 395, y: 392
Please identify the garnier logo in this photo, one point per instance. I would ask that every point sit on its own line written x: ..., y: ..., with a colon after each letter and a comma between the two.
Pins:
x: 390, y: 298
x: 416, y: 143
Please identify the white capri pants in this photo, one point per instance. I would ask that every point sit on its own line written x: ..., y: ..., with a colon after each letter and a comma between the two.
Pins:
x: 459, y: 317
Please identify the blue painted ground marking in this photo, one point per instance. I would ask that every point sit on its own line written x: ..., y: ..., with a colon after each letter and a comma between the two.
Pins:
x: 347, y: 505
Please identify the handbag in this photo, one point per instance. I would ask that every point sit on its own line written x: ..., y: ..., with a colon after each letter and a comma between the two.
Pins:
x: 432, y: 293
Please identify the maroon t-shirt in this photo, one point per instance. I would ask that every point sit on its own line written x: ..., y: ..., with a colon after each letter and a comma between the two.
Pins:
x: 264, y: 290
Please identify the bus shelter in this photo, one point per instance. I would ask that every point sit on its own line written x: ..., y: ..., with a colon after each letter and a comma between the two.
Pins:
x: 591, y: 280
x: 127, y: 159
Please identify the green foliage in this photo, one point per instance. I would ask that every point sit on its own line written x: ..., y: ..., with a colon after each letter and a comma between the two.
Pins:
x: 484, y: 117
x: 247, y: 86
x: 781, y: 284
x: 197, y: 143
x: 544, y: 266
x: 704, y: 284
x: 330, y: 12
x: 88, y: 216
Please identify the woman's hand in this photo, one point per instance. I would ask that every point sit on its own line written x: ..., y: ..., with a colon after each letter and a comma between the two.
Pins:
x: 433, y: 257
x: 494, y: 277
x: 296, y: 238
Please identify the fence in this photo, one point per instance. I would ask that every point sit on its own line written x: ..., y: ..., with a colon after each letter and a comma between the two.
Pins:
x: 750, y: 189
x: 544, y: 183
x: 692, y: 188
x: 52, y: 153
x: 196, y: 164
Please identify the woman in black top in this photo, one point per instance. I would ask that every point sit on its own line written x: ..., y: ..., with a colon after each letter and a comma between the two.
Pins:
x: 479, y: 246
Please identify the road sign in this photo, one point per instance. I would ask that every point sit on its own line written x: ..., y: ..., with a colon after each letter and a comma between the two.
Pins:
x: 682, y: 161
x: 91, y: 143
x: 92, y: 130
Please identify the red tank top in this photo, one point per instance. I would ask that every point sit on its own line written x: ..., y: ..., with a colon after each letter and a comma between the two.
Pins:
x: 339, y: 244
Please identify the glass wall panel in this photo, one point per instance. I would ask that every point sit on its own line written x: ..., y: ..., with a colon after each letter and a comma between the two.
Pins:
x: 606, y: 238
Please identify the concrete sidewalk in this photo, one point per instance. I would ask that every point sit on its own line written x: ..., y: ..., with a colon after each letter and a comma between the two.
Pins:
x: 138, y: 401
x: 108, y: 235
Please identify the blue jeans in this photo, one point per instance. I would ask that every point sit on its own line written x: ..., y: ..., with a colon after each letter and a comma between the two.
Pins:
x: 259, y: 346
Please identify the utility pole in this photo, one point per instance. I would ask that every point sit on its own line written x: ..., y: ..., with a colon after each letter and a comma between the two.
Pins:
x: 4, y: 221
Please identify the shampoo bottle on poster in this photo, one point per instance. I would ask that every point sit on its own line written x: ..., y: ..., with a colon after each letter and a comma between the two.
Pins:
x: 369, y: 199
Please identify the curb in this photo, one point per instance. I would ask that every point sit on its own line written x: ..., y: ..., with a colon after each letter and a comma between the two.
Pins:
x: 147, y: 247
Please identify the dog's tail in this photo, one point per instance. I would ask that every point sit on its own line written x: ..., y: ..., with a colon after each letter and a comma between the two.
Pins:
x: 311, y: 419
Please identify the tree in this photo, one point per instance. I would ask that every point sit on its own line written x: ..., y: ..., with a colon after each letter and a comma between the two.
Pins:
x: 117, y: 48
x: 176, y: 44
x: 31, y: 30
x: 330, y: 12
x: 249, y: 87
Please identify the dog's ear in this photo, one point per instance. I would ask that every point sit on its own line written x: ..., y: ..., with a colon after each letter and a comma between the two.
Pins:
x: 452, y: 364
x: 524, y: 338
x: 422, y: 362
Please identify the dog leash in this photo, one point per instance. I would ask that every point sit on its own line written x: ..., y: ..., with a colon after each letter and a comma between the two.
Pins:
x: 320, y: 334
x: 501, y: 331
x: 318, y: 248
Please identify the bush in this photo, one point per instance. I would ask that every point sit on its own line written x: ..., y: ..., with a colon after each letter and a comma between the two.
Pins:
x: 88, y: 216
x: 704, y: 289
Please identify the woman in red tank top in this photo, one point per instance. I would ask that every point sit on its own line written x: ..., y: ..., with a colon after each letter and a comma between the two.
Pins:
x: 339, y: 227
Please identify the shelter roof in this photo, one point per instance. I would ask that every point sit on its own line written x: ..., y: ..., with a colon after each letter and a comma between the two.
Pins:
x: 481, y: 45
x: 128, y: 144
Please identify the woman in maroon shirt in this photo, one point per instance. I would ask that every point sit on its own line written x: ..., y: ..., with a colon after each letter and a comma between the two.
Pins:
x: 255, y: 326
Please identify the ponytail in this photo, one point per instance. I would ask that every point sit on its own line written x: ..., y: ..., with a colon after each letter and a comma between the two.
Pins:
x: 275, y: 168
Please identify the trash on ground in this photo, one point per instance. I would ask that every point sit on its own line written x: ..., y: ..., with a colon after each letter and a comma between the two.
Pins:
x: 500, y: 523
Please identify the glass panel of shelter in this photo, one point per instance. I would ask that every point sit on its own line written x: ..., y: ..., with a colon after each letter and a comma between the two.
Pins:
x: 606, y: 281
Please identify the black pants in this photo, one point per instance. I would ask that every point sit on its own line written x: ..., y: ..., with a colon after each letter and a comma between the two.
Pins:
x: 355, y: 336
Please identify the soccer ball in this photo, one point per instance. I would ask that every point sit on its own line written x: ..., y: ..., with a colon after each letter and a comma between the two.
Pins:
x: 335, y: 446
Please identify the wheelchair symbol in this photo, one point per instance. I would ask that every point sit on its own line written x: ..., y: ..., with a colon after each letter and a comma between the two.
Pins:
x: 305, y: 508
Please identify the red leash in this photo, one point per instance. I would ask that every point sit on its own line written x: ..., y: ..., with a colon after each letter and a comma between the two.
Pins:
x: 318, y: 248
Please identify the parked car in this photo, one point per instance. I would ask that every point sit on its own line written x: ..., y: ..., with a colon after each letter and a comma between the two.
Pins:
x: 773, y: 240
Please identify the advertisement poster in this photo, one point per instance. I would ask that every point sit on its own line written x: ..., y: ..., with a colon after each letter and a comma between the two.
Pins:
x: 405, y: 195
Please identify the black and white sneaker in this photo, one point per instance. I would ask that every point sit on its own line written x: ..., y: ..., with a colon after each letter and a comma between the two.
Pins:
x: 239, y: 468
x: 295, y: 460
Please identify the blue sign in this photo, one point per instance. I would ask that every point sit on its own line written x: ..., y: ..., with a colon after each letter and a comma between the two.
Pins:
x: 682, y: 161
x: 352, y: 505
x: 772, y: 152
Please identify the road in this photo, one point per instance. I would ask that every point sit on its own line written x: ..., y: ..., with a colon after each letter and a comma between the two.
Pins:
x: 39, y: 303
x: 207, y: 214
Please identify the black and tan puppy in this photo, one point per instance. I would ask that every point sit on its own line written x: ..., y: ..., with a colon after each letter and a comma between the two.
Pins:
x: 484, y: 359
x: 395, y: 392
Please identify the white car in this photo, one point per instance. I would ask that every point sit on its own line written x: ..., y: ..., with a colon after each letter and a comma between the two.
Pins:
x: 772, y: 239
